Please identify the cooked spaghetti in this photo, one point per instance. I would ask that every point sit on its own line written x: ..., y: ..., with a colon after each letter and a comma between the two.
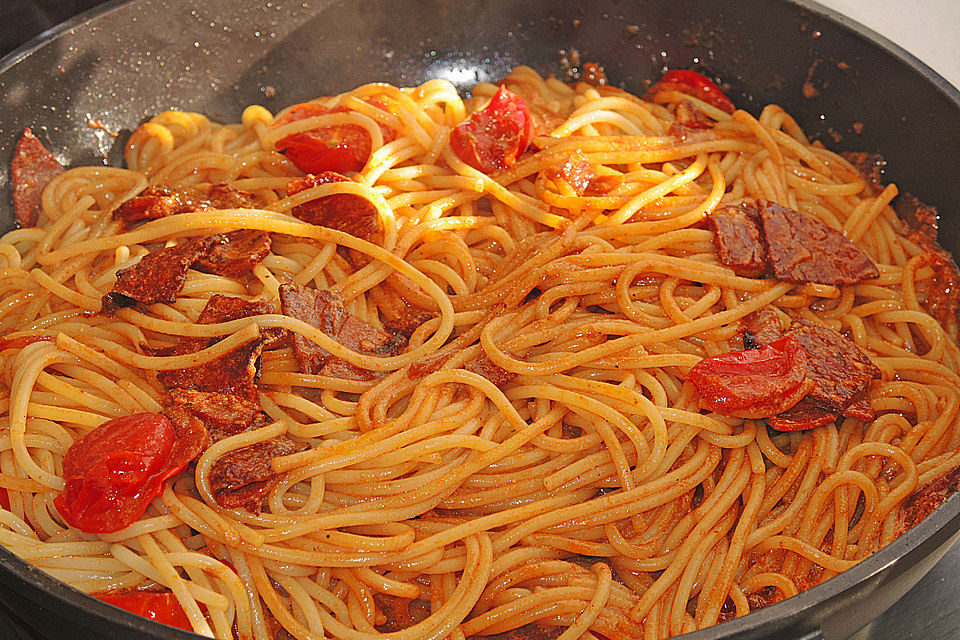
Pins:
x: 443, y: 387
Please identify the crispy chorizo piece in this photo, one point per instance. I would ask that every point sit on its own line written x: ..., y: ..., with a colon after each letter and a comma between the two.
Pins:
x: 152, y: 203
x: 321, y: 309
x: 237, y: 253
x: 32, y: 169
x: 400, y: 613
x: 241, y: 478
x: 235, y: 373
x: 482, y: 365
x: 868, y: 165
x: 804, y: 250
x: 738, y: 241
x: 760, y: 328
x: 158, y: 277
x: 841, y: 372
x: 325, y: 311
x: 160, y: 201
x: 223, y: 414
x: 861, y: 410
x: 926, y: 499
x: 221, y: 308
x: 806, y: 414
x: 343, y: 211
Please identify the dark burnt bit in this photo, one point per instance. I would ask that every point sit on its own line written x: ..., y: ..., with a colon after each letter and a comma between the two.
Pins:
x: 801, y: 249
x: 345, y: 212
x: 763, y: 598
x: 241, y: 478
x: 236, y: 253
x: 841, y: 372
x: 158, y: 277
x: 325, y: 310
x: 728, y: 611
x: 926, y: 499
x: 738, y: 241
x: 32, y: 169
x: 869, y: 165
x: 761, y: 328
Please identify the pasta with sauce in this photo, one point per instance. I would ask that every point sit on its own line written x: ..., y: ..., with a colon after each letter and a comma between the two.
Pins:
x: 557, y: 360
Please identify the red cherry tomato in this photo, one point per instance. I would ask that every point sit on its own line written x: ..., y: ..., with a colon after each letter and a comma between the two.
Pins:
x: 334, y: 148
x: 757, y: 383
x: 492, y: 138
x: 161, y: 606
x: 693, y: 84
x: 113, y: 472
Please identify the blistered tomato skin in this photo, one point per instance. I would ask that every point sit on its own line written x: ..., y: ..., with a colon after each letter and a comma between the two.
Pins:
x: 160, y: 606
x: 492, y: 138
x: 113, y: 472
x: 693, y: 84
x: 756, y: 383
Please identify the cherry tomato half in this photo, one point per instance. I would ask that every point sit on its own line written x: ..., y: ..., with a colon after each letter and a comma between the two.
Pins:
x: 693, y: 84
x: 757, y: 383
x: 492, y: 138
x: 337, y: 148
x: 161, y: 606
x: 113, y: 472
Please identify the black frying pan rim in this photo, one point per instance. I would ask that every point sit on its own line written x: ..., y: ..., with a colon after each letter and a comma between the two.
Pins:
x: 937, y: 522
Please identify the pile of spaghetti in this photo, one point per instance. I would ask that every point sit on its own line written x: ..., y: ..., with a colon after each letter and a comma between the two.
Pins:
x: 556, y: 359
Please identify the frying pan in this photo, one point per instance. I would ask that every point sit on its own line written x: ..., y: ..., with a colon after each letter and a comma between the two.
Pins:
x: 121, y: 63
